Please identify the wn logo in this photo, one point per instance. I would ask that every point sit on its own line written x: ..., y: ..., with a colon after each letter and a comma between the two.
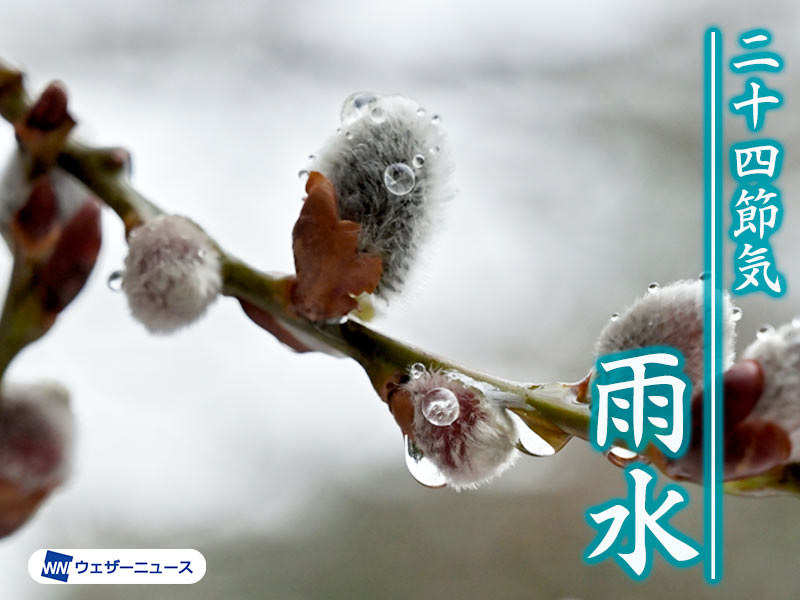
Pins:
x: 56, y: 566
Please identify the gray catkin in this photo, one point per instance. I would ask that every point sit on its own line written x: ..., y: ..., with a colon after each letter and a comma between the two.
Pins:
x: 355, y: 159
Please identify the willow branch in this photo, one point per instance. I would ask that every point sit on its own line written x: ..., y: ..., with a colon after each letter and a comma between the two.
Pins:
x: 556, y: 408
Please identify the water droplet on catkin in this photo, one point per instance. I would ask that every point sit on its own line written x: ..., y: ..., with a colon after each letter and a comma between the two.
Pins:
x: 421, y: 468
x: 440, y: 407
x: 114, y: 281
x: 764, y: 331
x: 302, y: 174
x: 355, y: 106
x: 399, y: 179
x: 418, y: 161
x: 704, y: 275
x: 378, y: 115
x: 796, y: 322
x: 653, y: 287
x: 416, y: 370
x: 614, y: 316
x: 420, y: 112
x: 436, y: 119
x: 736, y: 313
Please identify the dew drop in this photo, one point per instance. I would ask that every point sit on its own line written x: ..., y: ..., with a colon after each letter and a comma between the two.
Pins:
x: 114, y: 281
x: 420, y: 112
x: 311, y: 157
x: 421, y: 468
x: 614, y: 316
x: 348, y: 135
x: 416, y: 370
x: 339, y: 130
x: 528, y: 441
x: 436, y: 119
x: 622, y: 457
x: 653, y: 287
x: 303, y: 174
x: 704, y: 275
x: 440, y: 407
x: 356, y: 105
x: 377, y: 114
x: 434, y: 151
x: 736, y: 313
x: 418, y: 161
x: 764, y: 331
x: 399, y: 179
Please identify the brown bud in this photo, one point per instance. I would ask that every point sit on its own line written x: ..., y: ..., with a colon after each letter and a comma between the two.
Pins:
x: 73, y: 258
x: 38, y: 217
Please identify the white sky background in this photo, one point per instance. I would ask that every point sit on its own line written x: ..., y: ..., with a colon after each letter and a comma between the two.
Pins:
x: 576, y: 133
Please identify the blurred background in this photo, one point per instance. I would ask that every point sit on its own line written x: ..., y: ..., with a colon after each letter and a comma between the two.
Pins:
x: 576, y: 131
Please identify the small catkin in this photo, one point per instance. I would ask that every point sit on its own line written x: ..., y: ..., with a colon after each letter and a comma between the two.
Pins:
x: 778, y: 353
x: 172, y: 273
x: 477, y: 446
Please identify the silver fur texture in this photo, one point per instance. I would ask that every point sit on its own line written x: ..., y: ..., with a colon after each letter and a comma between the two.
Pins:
x: 376, y: 132
x: 669, y: 316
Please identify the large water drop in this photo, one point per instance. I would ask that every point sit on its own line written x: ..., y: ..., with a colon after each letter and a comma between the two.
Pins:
x: 356, y: 105
x: 440, y: 407
x: 528, y: 441
x: 421, y: 468
x: 399, y: 179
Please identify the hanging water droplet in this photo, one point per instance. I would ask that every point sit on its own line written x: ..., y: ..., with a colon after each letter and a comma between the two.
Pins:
x: 399, y: 179
x: 416, y: 370
x: 796, y: 322
x: 622, y: 457
x: 356, y: 105
x: 528, y: 441
x: 421, y: 468
x: 115, y: 281
x: 348, y: 135
x: 420, y: 112
x: 440, y: 407
x: 436, y: 119
x: 736, y: 313
x: 614, y: 316
x: 418, y: 161
x: 311, y: 157
x: 764, y: 331
x: 303, y: 174
x: 653, y: 287
x: 378, y: 114
x: 434, y: 151
x: 704, y: 275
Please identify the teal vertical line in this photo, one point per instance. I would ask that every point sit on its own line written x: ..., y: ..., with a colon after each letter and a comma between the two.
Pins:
x: 712, y: 305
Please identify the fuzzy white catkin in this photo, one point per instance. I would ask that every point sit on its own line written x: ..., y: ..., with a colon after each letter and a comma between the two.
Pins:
x: 172, y: 273
x: 376, y: 132
x: 37, y: 412
x: 14, y: 190
x: 669, y: 316
x: 778, y: 353
x: 478, y: 446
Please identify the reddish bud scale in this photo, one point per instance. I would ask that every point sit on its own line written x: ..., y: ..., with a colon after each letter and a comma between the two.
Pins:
x: 73, y: 258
